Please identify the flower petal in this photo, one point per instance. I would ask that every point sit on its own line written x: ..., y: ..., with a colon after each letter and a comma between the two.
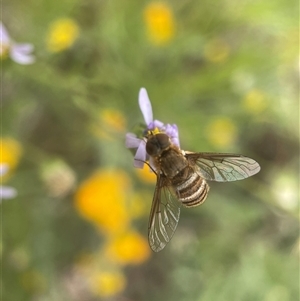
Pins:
x: 175, y: 140
x: 172, y: 132
x: 155, y: 124
x: 3, y: 169
x: 131, y: 141
x: 25, y: 48
x: 141, y: 155
x: 20, y: 53
x: 145, y: 106
x: 7, y: 192
x: 4, y: 36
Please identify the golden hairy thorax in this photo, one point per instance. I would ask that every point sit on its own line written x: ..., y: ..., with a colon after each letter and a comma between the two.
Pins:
x: 167, y: 157
x: 171, y: 161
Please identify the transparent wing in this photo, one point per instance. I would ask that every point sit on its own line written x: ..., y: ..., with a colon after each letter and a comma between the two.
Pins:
x: 164, y: 215
x: 223, y: 167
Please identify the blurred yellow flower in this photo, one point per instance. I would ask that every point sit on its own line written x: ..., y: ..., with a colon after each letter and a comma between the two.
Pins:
x: 128, y: 248
x: 160, y: 22
x: 146, y: 175
x: 62, y: 34
x: 255, y: 101
x: 113, y: 119
x: 11, y: 151
x: 107, y: 283
x: 216, y: 51
x: 110, y: 121
x: 222, y: 132
x: 102, y: 200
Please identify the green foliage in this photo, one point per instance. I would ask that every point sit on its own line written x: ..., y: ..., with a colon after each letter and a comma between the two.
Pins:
x: 230, y: 70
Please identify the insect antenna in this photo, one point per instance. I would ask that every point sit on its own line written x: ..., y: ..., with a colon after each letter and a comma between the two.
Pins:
x: 145, y: 162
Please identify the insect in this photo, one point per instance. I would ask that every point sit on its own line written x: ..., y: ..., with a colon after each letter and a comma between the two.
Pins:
x: 181, y: 179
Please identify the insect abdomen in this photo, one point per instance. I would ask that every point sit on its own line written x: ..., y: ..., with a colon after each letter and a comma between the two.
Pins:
x: 193, y: 190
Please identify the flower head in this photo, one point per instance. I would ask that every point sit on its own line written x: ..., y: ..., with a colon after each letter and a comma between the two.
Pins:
x: 222, y: 132
x: 5, y: 191
x: 128, y: 248
x: 107, y: 283
x: 255, y: 101
x: 11, y: 151
x: 20, y: 53
x: 101, y: 199
x: 110, y: 123
x: 160, y: 23
x: 132, y: 141
x: 62, y: 34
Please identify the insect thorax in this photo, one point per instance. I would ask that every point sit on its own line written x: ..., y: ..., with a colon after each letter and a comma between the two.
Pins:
x: 172, y: 162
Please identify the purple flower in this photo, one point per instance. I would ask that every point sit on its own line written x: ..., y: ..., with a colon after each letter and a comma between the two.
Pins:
x: 5, y: 191
x: 20, y: 53
x: 132, y: 141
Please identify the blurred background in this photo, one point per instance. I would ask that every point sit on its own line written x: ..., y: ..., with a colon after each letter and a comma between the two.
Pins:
x: 74, y: 226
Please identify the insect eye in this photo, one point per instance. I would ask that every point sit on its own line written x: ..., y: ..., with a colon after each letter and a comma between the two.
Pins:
x: 163, y: 140
x: 157, y: 143
x: 152, y: 148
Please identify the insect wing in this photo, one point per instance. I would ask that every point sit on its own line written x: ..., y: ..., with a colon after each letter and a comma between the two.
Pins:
x: 223, y: 167
x: 164, y: 215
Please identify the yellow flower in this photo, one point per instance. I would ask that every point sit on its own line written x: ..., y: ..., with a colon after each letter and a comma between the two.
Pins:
x: 110, y: 121
x: 62, y: 34
x: 216, y: 51
x: 222, y: 132
x: 102, y: 200
x: 146, y: 175
x: 113, y: 119
x: 255, y: 101
x: 107, y: 283
x: 128, y: 248
x: 11, y: 151
x: 160, y: 22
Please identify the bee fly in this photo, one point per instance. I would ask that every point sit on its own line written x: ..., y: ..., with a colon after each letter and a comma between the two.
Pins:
x: 181, y: 179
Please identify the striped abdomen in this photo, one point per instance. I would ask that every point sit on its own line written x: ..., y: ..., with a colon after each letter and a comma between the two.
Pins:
x: 192, y: 190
